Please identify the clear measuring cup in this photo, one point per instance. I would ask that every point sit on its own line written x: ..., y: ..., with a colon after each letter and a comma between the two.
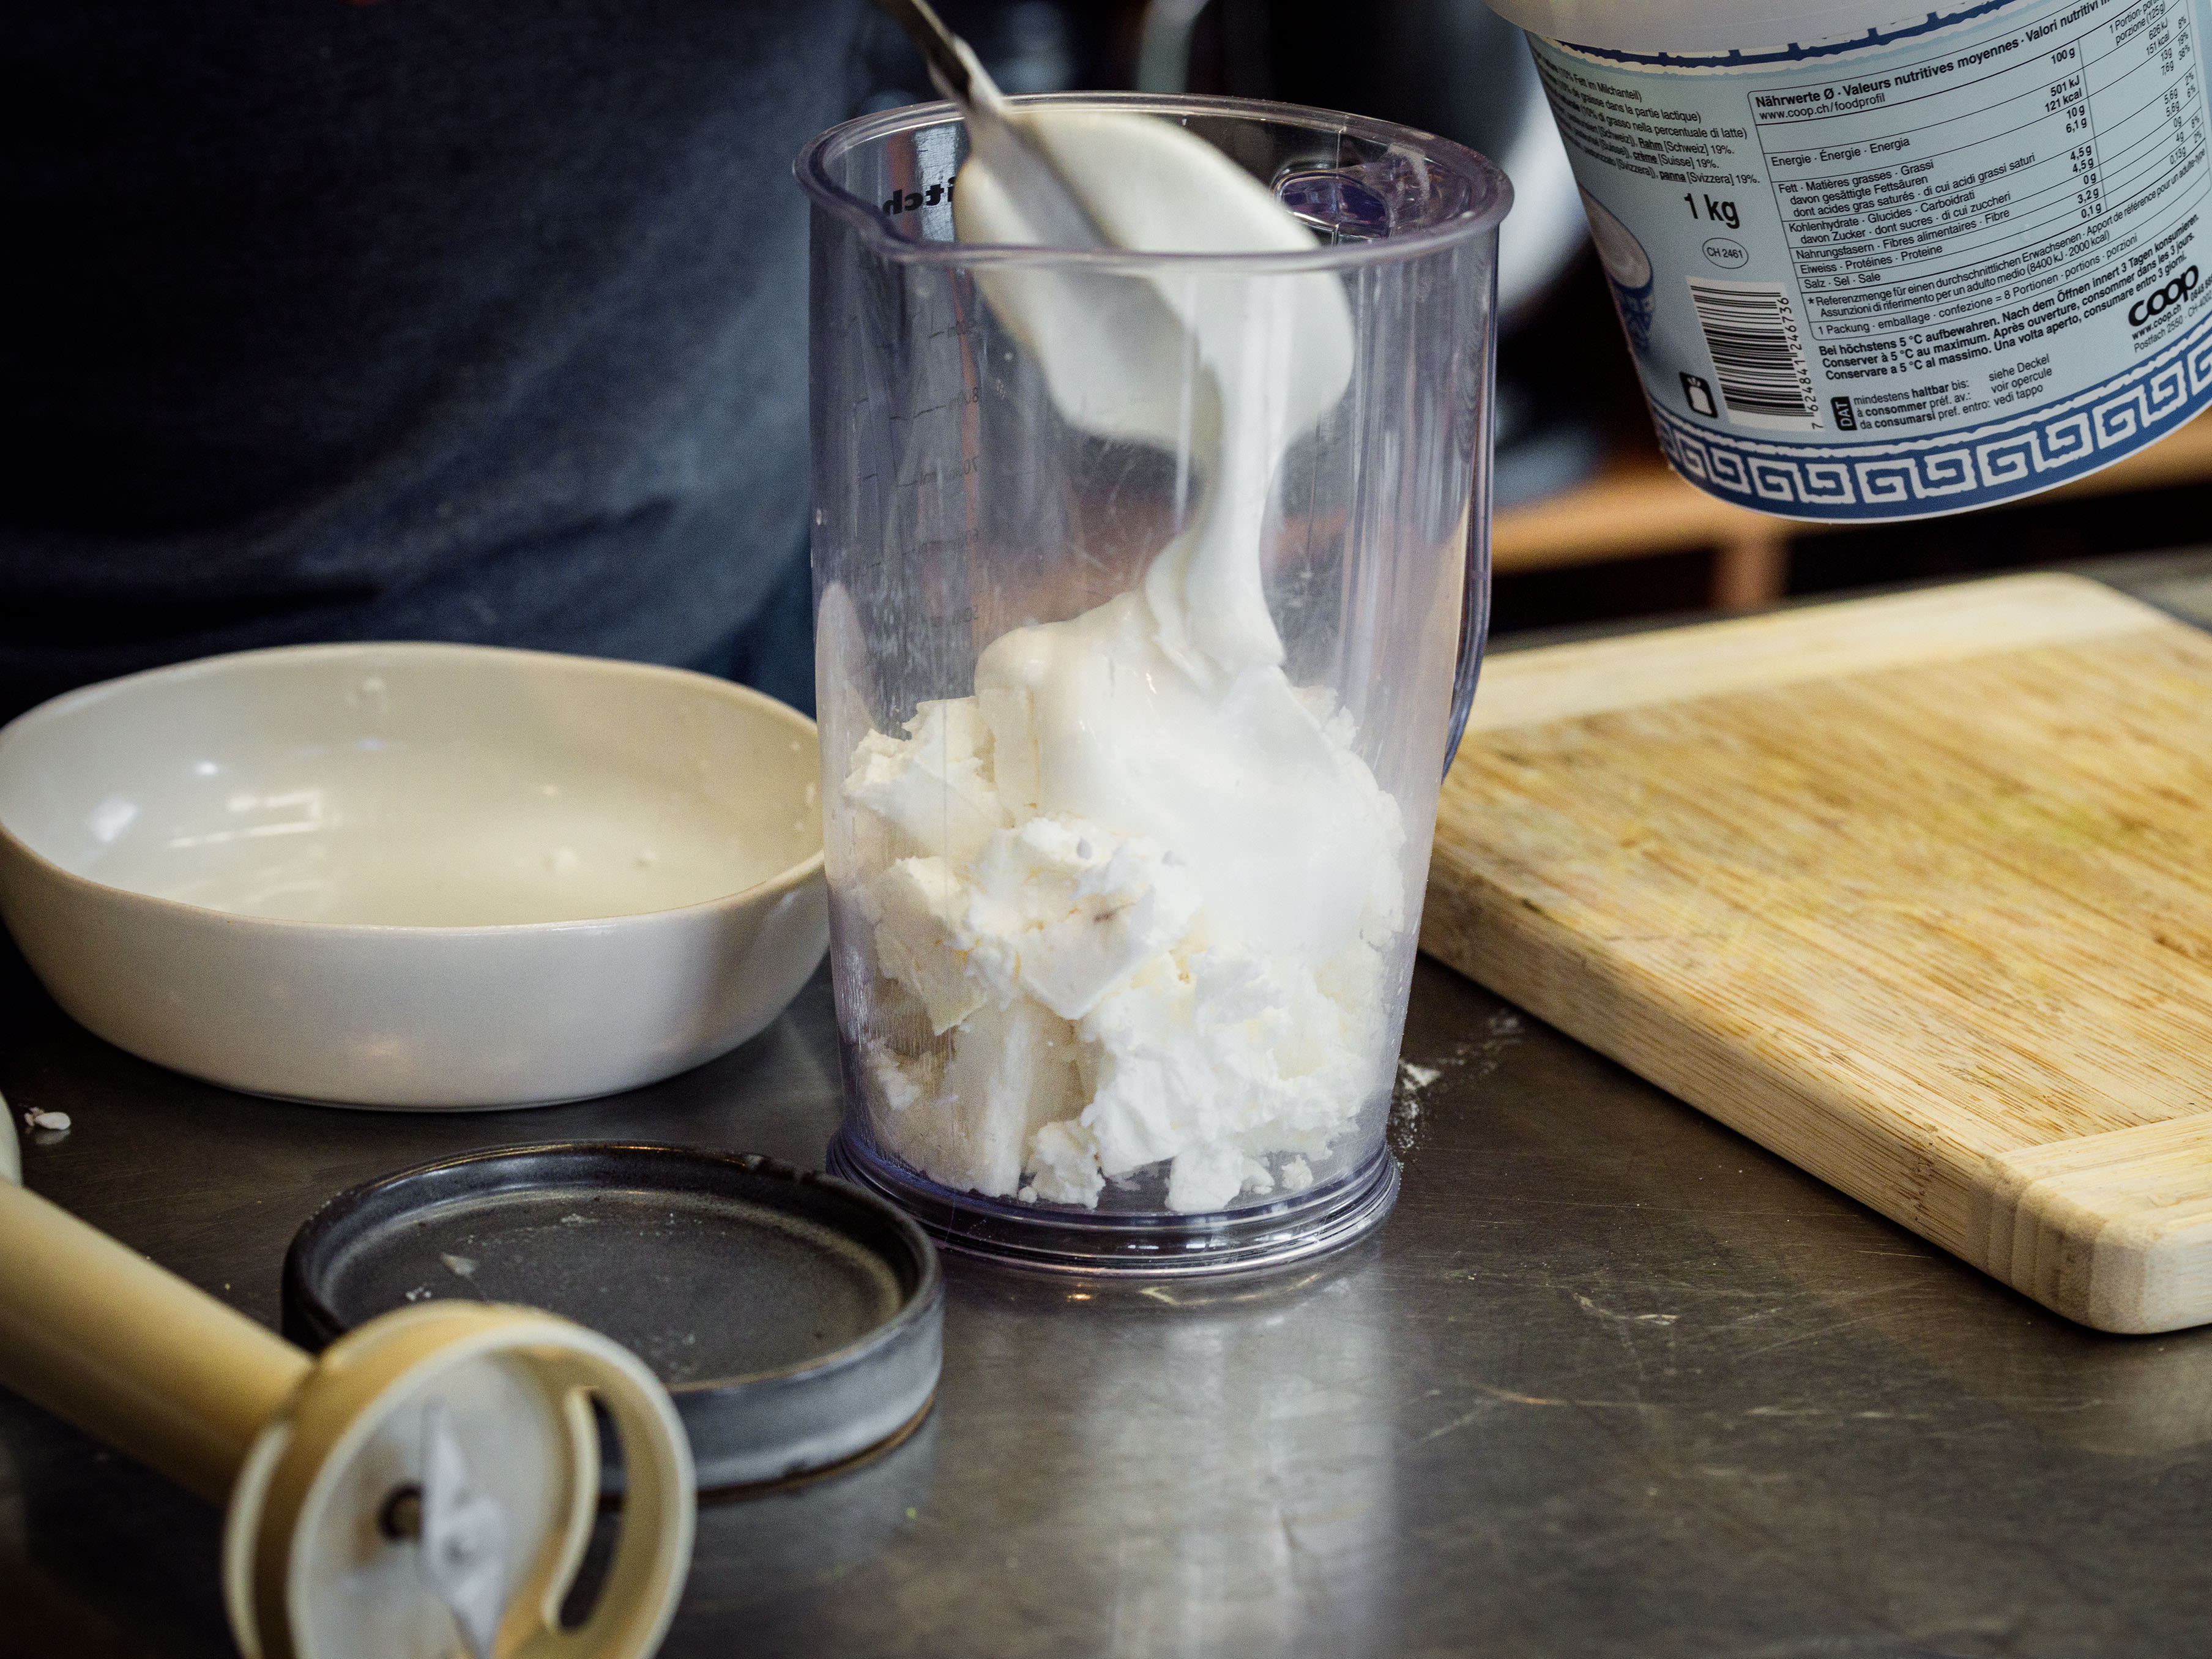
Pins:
x: 1121, y: 956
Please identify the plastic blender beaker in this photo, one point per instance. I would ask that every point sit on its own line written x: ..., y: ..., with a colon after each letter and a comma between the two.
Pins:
x: 1123, y: 938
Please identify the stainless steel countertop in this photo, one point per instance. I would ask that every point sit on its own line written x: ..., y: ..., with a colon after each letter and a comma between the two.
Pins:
x: 1612, y: 1381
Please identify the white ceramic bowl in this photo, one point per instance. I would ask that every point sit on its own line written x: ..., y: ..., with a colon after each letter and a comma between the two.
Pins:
x: 424, y: 875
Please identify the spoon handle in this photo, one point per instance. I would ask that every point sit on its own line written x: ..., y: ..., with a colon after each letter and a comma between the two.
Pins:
x: 940, y: 48
x: 1055, y: 211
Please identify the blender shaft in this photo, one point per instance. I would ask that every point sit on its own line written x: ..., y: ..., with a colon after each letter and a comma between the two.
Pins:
x: 129, y: 1353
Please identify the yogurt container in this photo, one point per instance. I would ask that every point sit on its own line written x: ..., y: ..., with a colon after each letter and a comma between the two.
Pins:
x: 1874, y: 265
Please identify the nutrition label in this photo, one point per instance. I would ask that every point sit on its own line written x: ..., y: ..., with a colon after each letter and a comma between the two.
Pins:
x: 1957, y: 206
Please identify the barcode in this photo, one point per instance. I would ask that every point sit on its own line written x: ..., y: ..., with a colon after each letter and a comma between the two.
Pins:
x: 1757, y: 354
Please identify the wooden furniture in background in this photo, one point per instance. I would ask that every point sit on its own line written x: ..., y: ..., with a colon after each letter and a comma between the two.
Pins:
x: 1910, y: 890
x: 1639, y: 508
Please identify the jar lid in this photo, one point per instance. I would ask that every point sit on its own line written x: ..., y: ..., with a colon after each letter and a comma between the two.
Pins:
x: 1708, y: 28
x: 796, y: 1321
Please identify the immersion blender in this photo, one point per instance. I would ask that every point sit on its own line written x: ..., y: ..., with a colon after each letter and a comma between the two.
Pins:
x: 427, y: 1485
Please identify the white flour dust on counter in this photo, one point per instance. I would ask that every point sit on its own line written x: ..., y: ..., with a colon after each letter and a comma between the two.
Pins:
x: 1132, y: 899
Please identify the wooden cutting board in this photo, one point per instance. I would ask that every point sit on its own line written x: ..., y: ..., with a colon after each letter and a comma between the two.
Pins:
x: 1916, y: 891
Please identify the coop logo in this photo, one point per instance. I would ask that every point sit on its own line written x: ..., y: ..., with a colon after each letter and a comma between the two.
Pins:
x: 2158, y: 299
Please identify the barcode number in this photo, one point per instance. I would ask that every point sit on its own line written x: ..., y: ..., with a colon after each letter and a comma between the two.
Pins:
x: 1757, y: 354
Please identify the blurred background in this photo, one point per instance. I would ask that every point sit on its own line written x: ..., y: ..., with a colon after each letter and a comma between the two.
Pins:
x: 1590, y: 526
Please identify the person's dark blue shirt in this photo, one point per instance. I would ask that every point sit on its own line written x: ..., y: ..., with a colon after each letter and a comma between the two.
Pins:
x: 426, y: 319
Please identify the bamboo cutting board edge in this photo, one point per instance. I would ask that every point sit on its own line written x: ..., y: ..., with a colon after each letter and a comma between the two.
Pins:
x: 2112, y: 1226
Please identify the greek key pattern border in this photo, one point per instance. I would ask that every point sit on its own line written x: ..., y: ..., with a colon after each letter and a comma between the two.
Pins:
x: 1969, y: 467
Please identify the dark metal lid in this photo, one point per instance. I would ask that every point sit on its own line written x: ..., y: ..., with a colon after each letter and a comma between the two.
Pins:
x: 796, y: 1320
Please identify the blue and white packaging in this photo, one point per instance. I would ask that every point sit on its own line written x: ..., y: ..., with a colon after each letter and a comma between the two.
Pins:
x: 1874, y: 267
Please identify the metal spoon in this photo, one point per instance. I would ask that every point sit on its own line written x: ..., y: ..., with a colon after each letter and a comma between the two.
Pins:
x: 1051, y: 206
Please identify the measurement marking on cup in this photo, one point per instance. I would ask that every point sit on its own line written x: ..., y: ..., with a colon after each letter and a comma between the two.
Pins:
x: 966, y: 396
x: 968, y: 466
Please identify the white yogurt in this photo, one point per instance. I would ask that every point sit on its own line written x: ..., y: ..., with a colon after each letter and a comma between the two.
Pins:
x: 1133, y: 894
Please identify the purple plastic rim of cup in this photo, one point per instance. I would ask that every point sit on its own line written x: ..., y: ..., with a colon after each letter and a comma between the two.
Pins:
x: 1490, y: 199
